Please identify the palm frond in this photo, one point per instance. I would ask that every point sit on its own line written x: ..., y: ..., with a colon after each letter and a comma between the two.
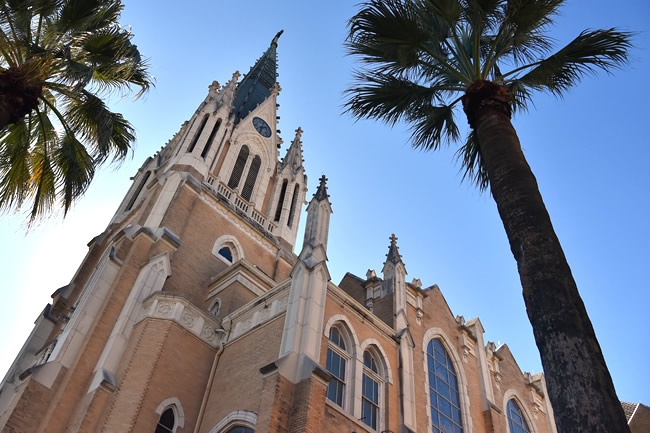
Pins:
x: 107, y: 133
x: 387, y: 98
x: 433, y: 126
x: 15, y: 167
x: 471, y: 162
x: 387, y: 33
x: 74, y: 168
x: 590, y: 51
x: 43, y: 179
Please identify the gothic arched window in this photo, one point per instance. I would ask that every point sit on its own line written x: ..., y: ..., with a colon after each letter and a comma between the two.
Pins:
x: 292, y: 209
x: 238, y: 169
x: 370, y: 390
x: 337, y: 358
x: 167, y: 421
x: 443, y: 390
x: 278, y: 209
x: 198, y: 134
x: 516, y: 420
x: 206, y: 149
x: 226, y: 254
x: 247, y: 192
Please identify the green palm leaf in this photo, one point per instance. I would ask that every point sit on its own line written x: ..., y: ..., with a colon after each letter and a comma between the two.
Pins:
x: 58, y: 59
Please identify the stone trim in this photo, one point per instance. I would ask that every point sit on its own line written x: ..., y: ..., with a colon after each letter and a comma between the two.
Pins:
x: 177, y: 407
x: 388, y: 372
x: 356, y: 308
x: 512, y: 394
x: 230, y: 242
x: 235, y: 418
x: 258, y: 312
x: 195, y: 320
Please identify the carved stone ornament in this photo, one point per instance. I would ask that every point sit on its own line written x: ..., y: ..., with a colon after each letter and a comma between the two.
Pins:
x: 164, y: 309
x: 187, y: 319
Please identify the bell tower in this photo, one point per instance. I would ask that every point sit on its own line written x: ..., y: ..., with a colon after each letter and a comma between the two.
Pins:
x: 231, y: 145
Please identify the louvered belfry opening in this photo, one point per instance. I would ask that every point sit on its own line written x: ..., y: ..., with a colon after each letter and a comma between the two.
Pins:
x: 278, y: 209
x: 238, y: 169
x: 198, y: 134
x: 292, y: 210
x: 247, y: 192
x: 208, y: 145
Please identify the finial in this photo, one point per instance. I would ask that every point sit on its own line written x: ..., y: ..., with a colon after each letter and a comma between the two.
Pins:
x: 299, y: 132
x: 275, y: 39
x: 393, y: 251
x: 321, y: 192
x: 236, y: 75
x: 214, y: 87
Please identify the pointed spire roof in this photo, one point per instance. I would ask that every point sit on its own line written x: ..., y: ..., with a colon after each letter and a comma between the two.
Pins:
x: 256, y: 85
x: 294, y: 153
x: 393, y: 255
x: 321, y: 193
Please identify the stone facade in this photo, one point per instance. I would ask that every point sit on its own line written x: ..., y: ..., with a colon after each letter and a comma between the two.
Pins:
x: 192, y: 306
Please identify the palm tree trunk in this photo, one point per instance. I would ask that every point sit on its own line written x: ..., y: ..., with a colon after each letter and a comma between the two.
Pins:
x: 579, y: 385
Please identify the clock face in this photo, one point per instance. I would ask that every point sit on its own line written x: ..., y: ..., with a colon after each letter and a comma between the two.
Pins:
x: 262, y: 127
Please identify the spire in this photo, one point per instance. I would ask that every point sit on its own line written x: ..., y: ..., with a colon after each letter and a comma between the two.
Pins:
x: 293, y: 158
x: 393, y: 255
x: 256, y: 85
x: 321, y: 193
x: 225, y: 95
x: 318, y: 218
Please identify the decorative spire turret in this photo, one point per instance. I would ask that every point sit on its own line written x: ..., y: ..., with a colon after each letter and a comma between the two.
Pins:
x: 321, y: 193
x: 393, y: 255
x: 256, y: 85
x: 226, y: 94
x: 293, y: 158
x: 318, y: 218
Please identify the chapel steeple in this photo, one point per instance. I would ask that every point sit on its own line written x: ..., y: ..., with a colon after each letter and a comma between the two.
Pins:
x: 257, y: 84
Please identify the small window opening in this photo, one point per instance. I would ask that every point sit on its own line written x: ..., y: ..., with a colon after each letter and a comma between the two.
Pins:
x: 226, y: 253
x: 198, y: 134
x: 216, y: 307
x: 278, y: 210
x: 206, y: 149
x: 292, y: 209
x: 238, y: 169
x: 247, y: 192
x: 166, y: 422
x: 137, y: 192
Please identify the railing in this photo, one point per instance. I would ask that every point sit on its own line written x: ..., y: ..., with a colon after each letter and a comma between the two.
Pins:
x: 239, y: 203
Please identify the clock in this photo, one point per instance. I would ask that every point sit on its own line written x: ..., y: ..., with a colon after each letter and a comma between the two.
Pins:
x: 262, y: 127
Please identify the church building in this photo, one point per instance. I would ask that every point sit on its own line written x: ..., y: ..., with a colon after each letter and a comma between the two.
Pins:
x: 191, y: 313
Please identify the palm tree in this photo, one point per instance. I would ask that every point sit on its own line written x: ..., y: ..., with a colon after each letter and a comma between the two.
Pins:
x: 57, y: 59
x: 422, y: 59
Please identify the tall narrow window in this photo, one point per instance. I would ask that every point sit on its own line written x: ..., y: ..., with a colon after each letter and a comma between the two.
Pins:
x: 138, y: 190
x: 278, y: 209
x: 370, y: 391
x: 443, y: 390
x: 292, y: 209
x: 206, y: 149
x: 198, y: 134
x: 335, y: 364
x: 247, y: 192
x: 238, y: 169
x: 166, y: 422
x: 516, y: 420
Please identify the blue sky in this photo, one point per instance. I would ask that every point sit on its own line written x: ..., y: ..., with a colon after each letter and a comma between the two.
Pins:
x: 589, y: 151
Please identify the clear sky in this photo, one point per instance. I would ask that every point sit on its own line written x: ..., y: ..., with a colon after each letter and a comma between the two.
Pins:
x: 590, y: 152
